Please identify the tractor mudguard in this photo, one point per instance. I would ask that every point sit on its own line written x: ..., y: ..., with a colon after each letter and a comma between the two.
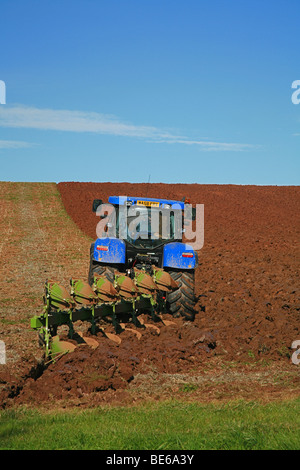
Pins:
x: 109, y: 250
x: 180, y: 256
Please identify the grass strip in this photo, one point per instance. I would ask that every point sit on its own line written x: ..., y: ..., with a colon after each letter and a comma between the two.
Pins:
x: 170, y: 425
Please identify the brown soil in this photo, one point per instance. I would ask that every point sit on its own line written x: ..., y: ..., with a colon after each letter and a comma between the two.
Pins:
x: 247, y: 285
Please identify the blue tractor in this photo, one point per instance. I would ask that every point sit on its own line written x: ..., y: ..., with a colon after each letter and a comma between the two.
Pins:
x: 129, y: 242
x: 139, y: 265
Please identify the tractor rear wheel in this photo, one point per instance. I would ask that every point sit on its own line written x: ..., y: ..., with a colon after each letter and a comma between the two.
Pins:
x: 182, y: 301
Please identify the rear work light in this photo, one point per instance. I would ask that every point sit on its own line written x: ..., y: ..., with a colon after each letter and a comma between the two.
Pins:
x: 187, y: 255
x: 102, y: 248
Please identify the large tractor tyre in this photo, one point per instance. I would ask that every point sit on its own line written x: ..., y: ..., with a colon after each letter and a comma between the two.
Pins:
x: 100, y: 269
x: 182, y: 301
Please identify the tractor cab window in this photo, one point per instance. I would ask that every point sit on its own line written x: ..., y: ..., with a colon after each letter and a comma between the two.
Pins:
x: 149, y: 227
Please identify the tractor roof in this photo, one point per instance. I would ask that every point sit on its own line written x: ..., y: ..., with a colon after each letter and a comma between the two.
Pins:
x: 144, y: 201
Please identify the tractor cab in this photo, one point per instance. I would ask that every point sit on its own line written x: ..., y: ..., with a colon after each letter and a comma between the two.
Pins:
x: 143, y: 222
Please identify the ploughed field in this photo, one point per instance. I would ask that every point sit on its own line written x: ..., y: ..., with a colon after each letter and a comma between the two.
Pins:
x: 247, y: 285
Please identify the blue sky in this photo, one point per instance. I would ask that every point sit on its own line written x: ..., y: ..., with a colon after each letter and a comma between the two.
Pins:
x: 126, y: 90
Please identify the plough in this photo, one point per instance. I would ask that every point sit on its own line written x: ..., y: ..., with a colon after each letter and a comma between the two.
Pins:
x: 119, y: 302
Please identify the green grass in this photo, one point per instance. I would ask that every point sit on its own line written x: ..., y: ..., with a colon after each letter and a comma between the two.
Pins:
x: 162, y: 426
